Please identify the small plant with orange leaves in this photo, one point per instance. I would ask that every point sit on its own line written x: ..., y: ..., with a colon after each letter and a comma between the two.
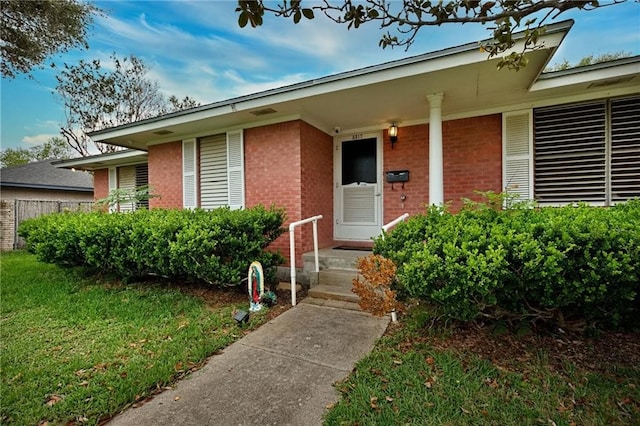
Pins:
x: 374, y: 290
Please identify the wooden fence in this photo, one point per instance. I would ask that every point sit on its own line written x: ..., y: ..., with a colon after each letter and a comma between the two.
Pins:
x: 13, y: 212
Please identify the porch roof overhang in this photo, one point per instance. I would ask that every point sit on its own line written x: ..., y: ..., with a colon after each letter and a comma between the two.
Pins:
x: 367, y: 98
x: 124, y: 157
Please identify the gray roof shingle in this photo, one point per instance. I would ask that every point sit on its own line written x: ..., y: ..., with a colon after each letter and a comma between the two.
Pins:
x: 44, y: 175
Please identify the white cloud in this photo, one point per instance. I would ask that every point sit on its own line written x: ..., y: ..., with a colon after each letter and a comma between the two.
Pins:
x: 38, y: 139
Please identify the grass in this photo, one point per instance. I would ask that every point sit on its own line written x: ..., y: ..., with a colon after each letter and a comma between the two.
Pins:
x: 412, y: 379
x: 74, y: 350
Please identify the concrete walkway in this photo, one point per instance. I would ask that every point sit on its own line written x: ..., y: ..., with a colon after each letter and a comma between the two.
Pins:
x: 280, y: 374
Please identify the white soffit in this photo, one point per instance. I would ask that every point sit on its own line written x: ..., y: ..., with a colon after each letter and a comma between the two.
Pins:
x: 594, y: 78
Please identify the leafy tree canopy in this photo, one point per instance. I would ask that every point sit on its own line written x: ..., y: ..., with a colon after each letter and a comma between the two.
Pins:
x: 36, y: 29
x: 409, y: 16
x: 97, y: 97
x: 54, y: 148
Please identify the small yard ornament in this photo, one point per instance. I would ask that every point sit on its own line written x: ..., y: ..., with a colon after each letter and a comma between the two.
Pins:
x: 256, y: 286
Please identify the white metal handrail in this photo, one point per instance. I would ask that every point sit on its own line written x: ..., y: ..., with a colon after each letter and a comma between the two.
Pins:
x: 292, y: 250
x: 394, y: 222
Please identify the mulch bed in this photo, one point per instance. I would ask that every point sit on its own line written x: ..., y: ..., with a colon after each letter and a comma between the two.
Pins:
x: 509, y: 350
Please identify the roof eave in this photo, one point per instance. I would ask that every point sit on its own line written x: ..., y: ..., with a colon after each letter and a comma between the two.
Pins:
x: 299, y: 90
x: 102, y: 161
x: 50, y: 187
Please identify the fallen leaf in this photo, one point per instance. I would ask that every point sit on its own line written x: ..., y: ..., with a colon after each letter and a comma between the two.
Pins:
x: 388, y: 398
x: 465, y: 411
x: 330, y: 406
x: 178, y: 366
x: 397, y: 362
x: 374, y: 402
x: 428, y: 384
x: 123, y: 374
x: 492, y: 383
x: 84, y: 383
x: 376, y: 371
x: 177, y: 398
x: 430, y: 360
x: 53, y: 400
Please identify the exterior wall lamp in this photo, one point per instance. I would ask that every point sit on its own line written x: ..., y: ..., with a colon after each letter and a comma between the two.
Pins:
x: 393, y: 134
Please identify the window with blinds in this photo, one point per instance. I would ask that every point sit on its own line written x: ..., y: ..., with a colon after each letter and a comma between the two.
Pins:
x: 625, y: 149
x: 570, y: 153
x: 587, y: 152
x: 142, y: 179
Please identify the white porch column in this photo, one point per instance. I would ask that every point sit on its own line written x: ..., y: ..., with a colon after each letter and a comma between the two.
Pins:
x: 436, y: 173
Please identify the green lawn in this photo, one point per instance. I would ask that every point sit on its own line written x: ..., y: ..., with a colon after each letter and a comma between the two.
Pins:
x: 458, y: 375
x: 77, y: 350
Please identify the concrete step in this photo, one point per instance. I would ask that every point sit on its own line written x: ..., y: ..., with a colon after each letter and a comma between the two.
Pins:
x: 340, y: 304
x: 334, y: 259
x: 337, y: 277
x: 333, y: 292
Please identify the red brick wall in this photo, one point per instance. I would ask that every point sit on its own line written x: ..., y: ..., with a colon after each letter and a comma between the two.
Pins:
x: 273, y: 175
x: 472, y: 161
x: 272, y: 171
x: 100, y: 183
x: 165, y: 175
x: 473, y: 157
x: 411, y: 152
x: 317, y: 187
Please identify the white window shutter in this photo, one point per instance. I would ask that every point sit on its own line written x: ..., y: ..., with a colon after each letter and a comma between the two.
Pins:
x: 189, y: 187
x: 113, y: 184
x: 214, y: 186
x: 235, y: 167
x: 517, y: 158
x: 127, y: 181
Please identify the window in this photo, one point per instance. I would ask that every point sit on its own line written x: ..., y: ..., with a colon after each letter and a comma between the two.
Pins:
x: 142, y: 179
x: 220, y: 171
x: 128, y: 179
x: 576, y: 152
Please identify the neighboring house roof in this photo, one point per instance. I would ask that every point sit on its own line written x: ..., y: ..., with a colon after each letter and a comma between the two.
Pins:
x: 111, y: 159
x: 44, y: 175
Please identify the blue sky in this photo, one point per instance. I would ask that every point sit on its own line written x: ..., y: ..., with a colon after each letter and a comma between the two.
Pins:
x: 196, y: 48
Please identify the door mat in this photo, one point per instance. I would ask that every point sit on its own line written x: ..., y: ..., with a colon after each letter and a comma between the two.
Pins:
x: 353, y: 248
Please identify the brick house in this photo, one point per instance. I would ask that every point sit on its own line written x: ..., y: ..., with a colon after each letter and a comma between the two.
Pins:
x: 323, y: 146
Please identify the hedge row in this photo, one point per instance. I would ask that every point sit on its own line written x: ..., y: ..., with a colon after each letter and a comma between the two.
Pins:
x: 213, y: 246
x: 581, y: 262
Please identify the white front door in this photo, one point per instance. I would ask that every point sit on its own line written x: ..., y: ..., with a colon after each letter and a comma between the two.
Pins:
x: 358, y: 187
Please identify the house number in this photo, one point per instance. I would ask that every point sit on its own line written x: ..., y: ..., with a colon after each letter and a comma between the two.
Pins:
x: 357, y: 136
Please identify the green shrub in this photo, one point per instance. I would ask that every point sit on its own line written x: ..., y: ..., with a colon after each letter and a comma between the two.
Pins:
x: 560, y: 263
x: 212, y: 246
